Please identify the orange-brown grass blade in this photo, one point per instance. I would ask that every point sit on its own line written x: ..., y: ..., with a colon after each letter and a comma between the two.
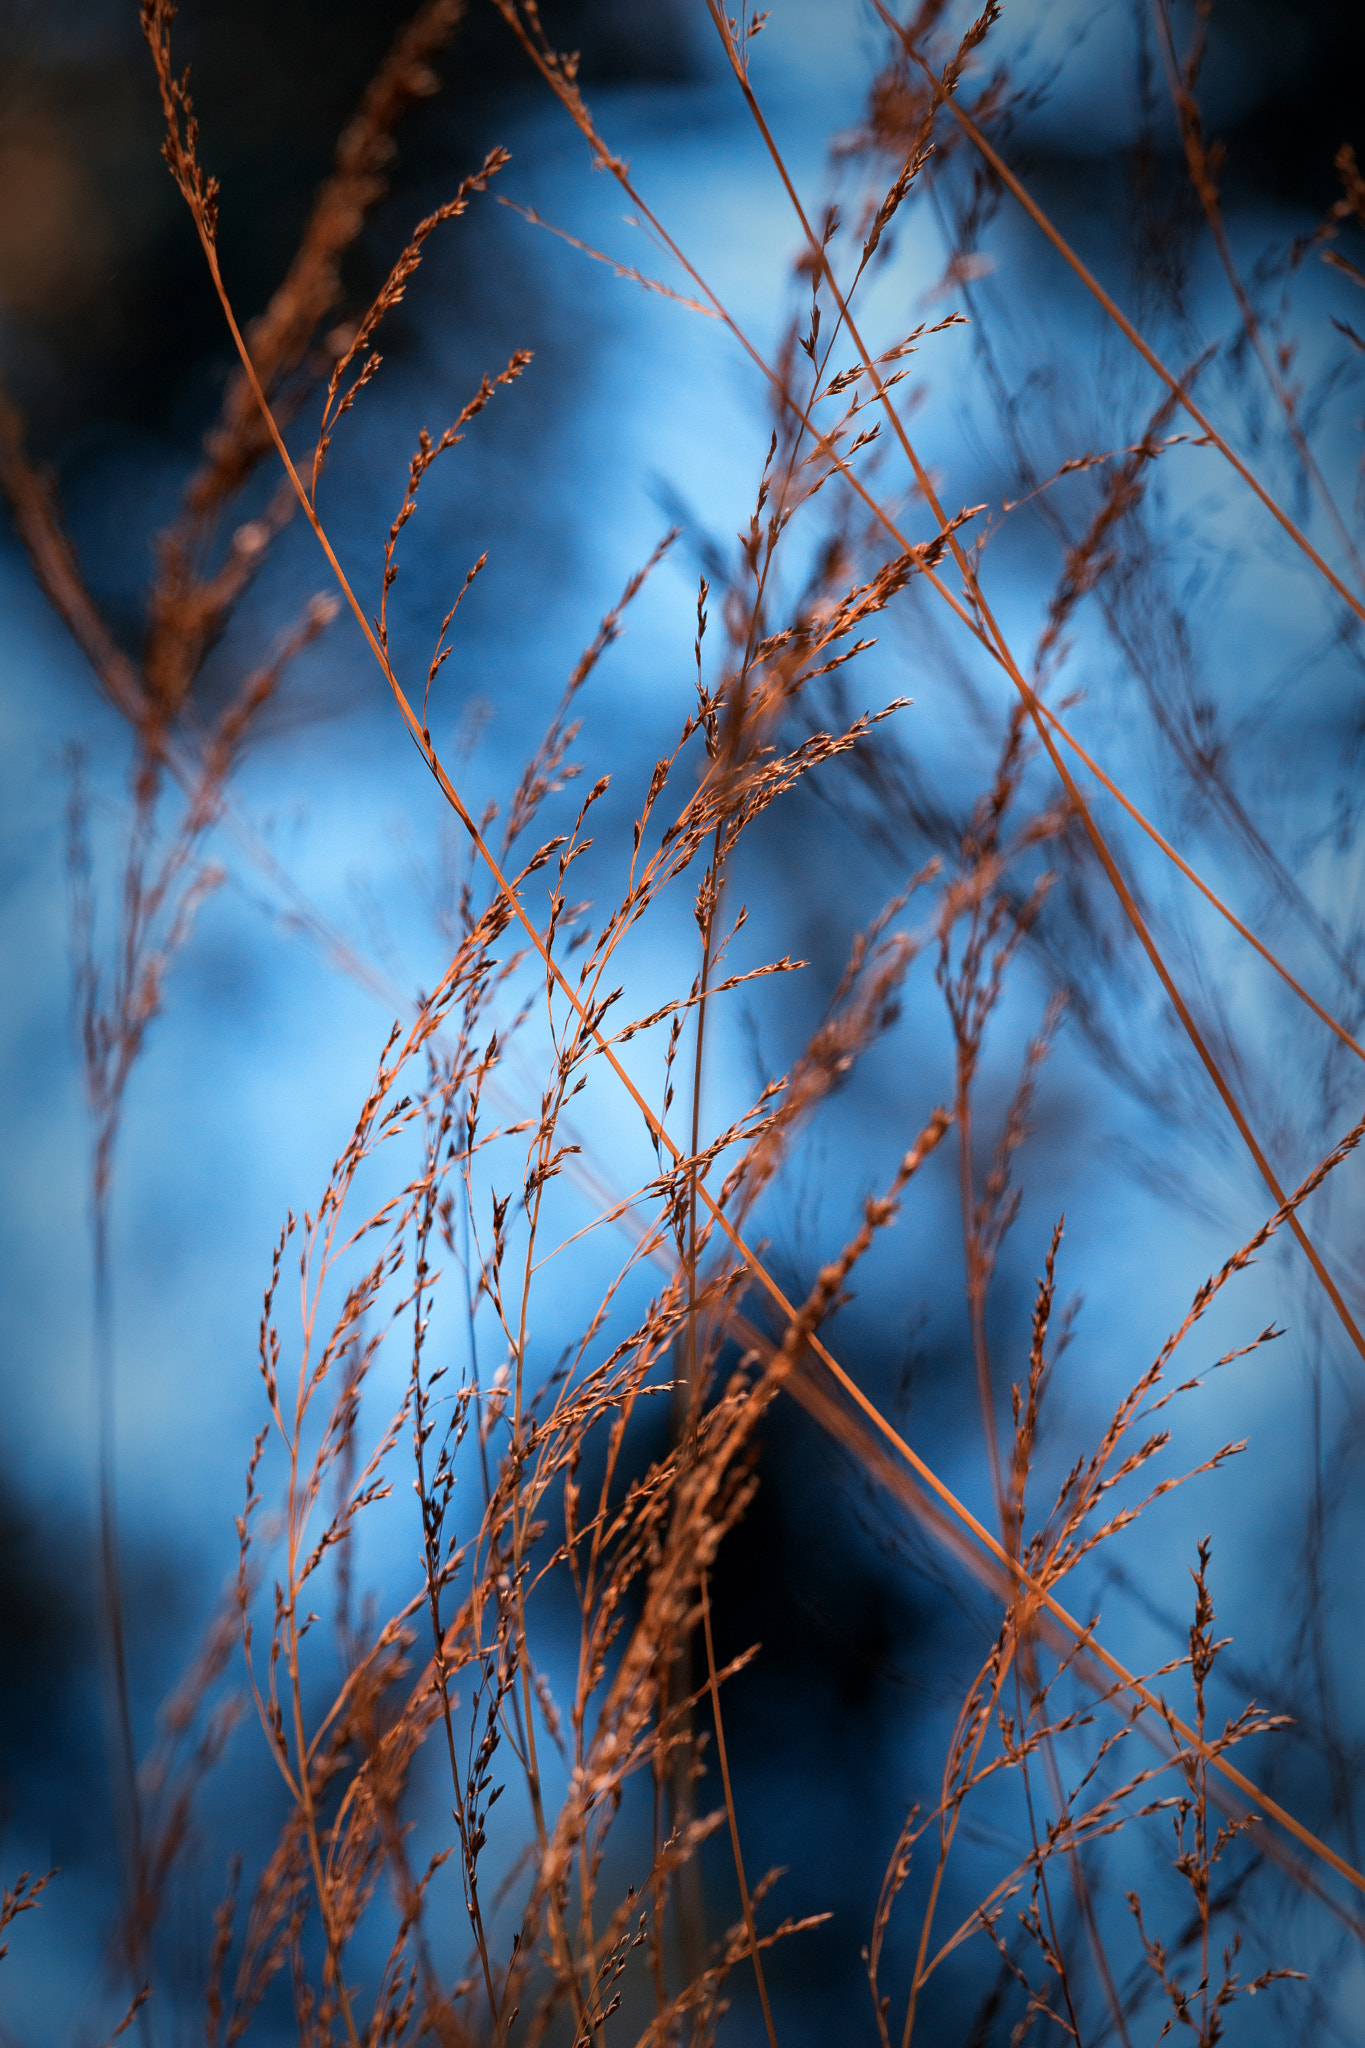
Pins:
x: 746, y: 1902
x: 1201, y: 885
x: 1126, y: 327
x: 855, y: 483
x: 1075, y: 1629
x: 603, y: 156
x: 1012, y: 669
x: 192, y: 187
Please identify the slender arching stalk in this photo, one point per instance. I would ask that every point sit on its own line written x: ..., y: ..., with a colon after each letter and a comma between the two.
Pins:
x: 618, y: 1196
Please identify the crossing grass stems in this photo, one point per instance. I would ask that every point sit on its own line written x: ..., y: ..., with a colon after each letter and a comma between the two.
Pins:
x: 486, y: 1838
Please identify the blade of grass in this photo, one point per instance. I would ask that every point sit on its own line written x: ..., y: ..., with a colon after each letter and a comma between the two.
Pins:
x: 895, y: 532
x: 1126, y: 327
x: 1012, y: 669
x: 746, y: 1902
x: 754, y: 1265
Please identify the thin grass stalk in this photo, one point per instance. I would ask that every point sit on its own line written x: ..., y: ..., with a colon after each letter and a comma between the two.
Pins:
x: 850, y: 1387
x: 1083, y: 812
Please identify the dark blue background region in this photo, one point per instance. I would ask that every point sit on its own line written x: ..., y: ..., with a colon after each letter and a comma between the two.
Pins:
x: 635, y: 413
